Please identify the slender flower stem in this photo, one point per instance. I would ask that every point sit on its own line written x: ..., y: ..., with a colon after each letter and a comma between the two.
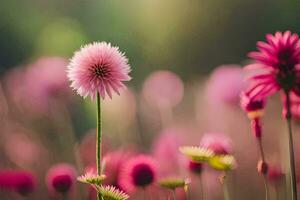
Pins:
x: 174, y: 194
x: 291, y: 146
x: 262, y: 154
x: 201, y: 187
x: 99, y: 138
x: 225, y: 186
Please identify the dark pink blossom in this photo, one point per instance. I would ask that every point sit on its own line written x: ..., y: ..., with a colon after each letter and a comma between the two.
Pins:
x: 60, y: 178
x: 276, y: 65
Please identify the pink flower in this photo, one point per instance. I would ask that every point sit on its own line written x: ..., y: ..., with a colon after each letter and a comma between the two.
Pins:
x: 225, y: 84
x: 39, y: 84
x: 163, y: 88
x: 251, y: 105
x: 60, y: 178
x: 98, y: 67
x: 114, y: 162
x: 19, y: 181
x: 138, y: 172
x: 276, y: 65
x: 217, y: 142
x: 195, y: 167
x: 275, y: 175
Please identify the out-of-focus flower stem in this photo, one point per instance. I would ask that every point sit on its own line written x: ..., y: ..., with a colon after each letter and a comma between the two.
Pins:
x: 99, y: 138
x: 201, y: 187
x: 174, y: 194
x: 291, y: 146
x: 223, y: 179
x: 262, y: 154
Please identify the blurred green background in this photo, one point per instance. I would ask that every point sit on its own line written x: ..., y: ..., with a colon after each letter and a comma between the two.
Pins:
x: 188, y: 37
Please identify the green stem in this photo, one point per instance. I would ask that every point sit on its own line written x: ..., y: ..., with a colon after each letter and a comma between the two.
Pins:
x: 291, y: 146
x: 99, y: 137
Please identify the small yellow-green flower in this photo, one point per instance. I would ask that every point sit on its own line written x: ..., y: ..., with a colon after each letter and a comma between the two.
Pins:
x: 197, y: 154
x: 91, y: 178
x: 173, y: 183
x: 111, y: 193
x: 222, y: 162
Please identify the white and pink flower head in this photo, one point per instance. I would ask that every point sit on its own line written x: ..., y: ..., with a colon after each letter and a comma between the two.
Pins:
x: 98, y: 68
x: 217, y: 142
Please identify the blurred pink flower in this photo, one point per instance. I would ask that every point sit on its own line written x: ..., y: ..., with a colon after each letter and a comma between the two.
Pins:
x: 195, y: 167
x: 114, y: 162
x: 163, y: 88
x: 22, y: 182
x: 275, y: 175
x: 36, y: 86
x: 138, y: 172
x: 60, y: 178
x: 277, y: 61
x: 27, y: 153
x: 251, y: 105
x: 217, y: 142
x: 98, y: 67
x: 225, y: 84
x: 166, y: 153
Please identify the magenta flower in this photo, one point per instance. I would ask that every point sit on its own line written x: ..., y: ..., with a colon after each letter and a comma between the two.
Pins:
x: 217, y: 142
x: 60, y: 178
x: 275, y: 175
x: 277, y: 65
x: 21, y: 182
x: 252, y: 105
x: 98, y: 67
x: 138, y: 172
x: 195, y: 167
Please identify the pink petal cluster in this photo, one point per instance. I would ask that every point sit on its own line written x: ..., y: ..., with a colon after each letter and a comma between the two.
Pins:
x: 114, y: 162
x: 98, y: 68
x: 22, y: 182
x: 60, y: 178
x: 138, y: 172
x: 250, y: 105
x: 35, y: 86
x: 276, y: 65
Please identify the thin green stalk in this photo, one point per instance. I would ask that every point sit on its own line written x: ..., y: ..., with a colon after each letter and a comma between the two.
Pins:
x: 174, y: 194
x: 291, y: 147
x: 99, y: 138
